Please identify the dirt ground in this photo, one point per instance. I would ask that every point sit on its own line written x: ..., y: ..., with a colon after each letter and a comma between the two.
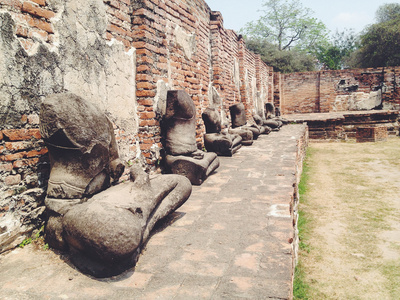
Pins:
x: 353, y: 206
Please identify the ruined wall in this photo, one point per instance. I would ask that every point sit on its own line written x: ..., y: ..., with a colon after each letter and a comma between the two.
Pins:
x: 122, y: 55
x: 344, y: 90
x: 225, y: 46
x: 238, y: 74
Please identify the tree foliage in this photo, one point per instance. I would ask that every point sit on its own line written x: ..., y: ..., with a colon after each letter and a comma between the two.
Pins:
x: 281, y: 61
x: 387, y: 12
x: 380, y: 42
x: 287, y: 24
x: 335, y: 55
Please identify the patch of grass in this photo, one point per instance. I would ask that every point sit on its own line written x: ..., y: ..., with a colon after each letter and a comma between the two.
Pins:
x: 303, y: 231
x: 300, y: 287
x: 305, y: 175
x: 391, y: 270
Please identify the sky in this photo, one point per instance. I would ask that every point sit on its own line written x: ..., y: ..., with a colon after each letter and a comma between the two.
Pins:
x: 335, y: 14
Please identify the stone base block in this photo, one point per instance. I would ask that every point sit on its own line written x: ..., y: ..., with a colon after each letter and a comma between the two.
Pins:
x: 371, y: 134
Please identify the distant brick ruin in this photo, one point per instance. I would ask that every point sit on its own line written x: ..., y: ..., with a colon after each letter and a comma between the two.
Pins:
x: 341, y: 90
x: 123, y: 56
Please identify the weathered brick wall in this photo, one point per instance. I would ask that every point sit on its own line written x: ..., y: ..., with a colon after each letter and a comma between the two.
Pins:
x: 225, y: 62
x: 122, y: 55
x: 237, y: 74
x: 172, y: 41
x: 49, y: 47
x: 342, y: 90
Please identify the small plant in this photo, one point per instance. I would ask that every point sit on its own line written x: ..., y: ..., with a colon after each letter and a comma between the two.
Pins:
x: 25, y: 242
x: 38, y: 235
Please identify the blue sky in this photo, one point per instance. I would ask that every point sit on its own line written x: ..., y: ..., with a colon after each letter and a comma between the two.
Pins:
x: 335, y: 14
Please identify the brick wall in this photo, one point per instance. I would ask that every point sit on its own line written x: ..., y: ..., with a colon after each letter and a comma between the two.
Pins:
x: 123, y: 56
x: 343, y: 90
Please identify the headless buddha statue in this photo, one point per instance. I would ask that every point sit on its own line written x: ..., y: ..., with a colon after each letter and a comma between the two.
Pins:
x: 179, y: 127
x: 222, y: 143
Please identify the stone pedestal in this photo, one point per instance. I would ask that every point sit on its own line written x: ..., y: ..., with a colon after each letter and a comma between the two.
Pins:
x: 371, y: 134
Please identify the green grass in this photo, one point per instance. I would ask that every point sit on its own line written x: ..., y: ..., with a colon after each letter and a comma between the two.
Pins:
x: 391, y: 271
x: 300, y: 287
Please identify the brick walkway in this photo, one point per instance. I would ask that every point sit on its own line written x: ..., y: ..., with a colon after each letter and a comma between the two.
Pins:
x: 232, y: 239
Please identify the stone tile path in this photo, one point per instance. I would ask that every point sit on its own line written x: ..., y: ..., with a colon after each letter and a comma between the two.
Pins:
x: 232, y: 239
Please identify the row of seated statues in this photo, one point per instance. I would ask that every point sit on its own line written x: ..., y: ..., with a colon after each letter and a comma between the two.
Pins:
x: 104, y: 222
x: 241, y: 133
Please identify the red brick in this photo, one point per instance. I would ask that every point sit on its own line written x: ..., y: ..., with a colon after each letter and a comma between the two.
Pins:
x: 145, y: 59
x: 144, y: 77
x: 145, y: 147
x: 145, y: 85
x: 25, y: 162
x: 12, y: 157
x: 147, y: 155
x: 145, y: 93
x: 17, y: 146
x: 143, y: 68
x: 146, y: 102
x: 24, y: 119
x: 147, y: 115
x: 38, y: 23
x: 34, y: 153
x: 37, y: 11
x: 152, y: 122
x: 116, y: 29
x: 21, y: 134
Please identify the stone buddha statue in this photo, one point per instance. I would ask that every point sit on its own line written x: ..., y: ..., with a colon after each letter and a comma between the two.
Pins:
x: 240, y: 125
x: 179, y: 128
x: 222, y: 143
x: 272, y: 120
x: 103, y: 223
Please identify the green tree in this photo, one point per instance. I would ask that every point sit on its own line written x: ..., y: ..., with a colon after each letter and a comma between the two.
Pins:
x: 335, y: 55
x: 287, y: 24
x: 282, y: 61
x: 380, y: 42
x: 387, y: 12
